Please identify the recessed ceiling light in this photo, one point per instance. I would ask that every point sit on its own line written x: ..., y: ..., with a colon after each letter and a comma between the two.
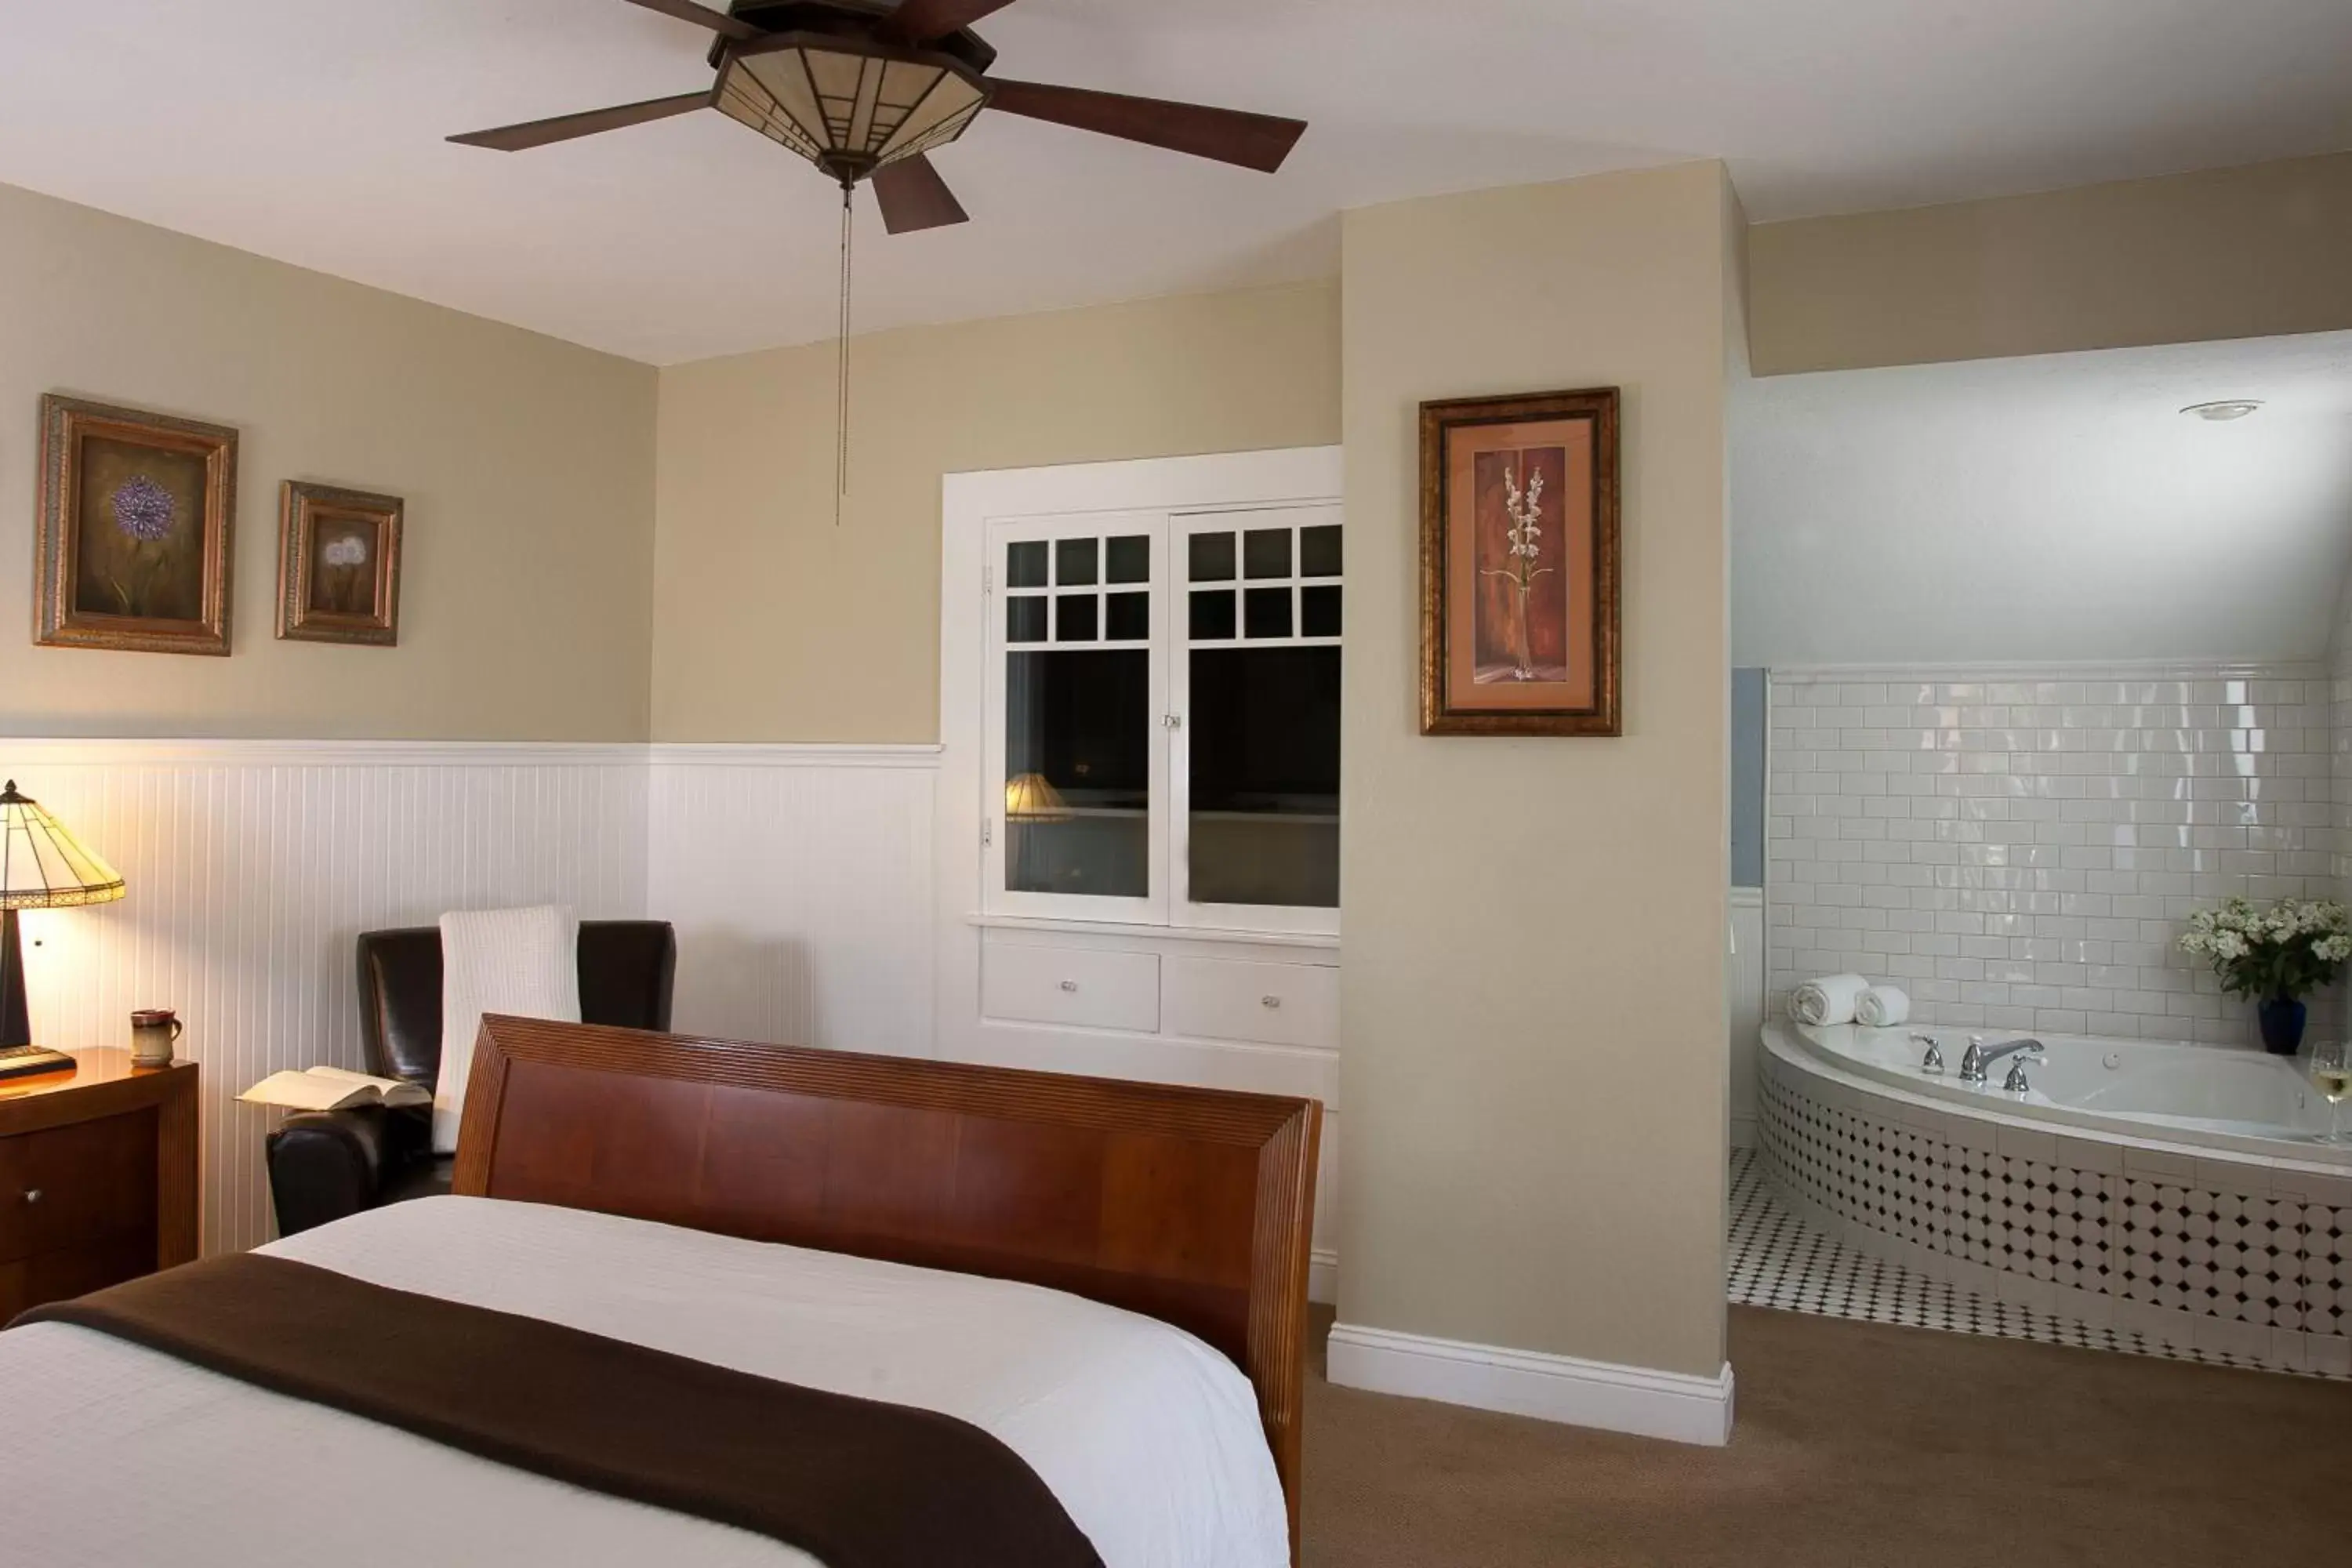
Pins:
x: 2233, y: 408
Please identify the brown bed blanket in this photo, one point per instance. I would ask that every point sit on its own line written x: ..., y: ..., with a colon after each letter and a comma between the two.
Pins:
x: 853, y: 1482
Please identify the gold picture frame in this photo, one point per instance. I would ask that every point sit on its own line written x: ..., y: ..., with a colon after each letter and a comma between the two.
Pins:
x: 1521, y: 566
x: 136, y: 520
x: 338, y: 565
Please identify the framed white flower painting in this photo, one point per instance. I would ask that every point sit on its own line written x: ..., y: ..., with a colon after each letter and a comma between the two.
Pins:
x: 1519, y: 562
x: 132, y: 546
x: 338, y: 565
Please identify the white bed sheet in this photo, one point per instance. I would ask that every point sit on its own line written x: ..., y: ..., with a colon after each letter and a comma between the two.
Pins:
x: 114, y: 1456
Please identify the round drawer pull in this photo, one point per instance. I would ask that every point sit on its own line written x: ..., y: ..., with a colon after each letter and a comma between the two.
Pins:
x: 32, y: 1194
x: 1269, y: 1001
x: 1070, y: 985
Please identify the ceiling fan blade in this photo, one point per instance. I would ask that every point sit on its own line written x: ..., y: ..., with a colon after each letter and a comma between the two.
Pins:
x: 565, y: 127
x: 1258, y: 142
x: 703, y: 16
x: 913, y: 197
x: 920, y: 21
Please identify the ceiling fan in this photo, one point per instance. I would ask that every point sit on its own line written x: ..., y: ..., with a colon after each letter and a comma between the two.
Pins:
x: 864, y: 90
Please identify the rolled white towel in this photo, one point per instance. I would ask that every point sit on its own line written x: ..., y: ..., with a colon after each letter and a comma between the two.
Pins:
x: 1882, y: 1007
x: 1829, y: 1000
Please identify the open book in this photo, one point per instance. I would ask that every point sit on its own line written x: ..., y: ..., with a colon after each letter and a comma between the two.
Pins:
x: 334, y: 1089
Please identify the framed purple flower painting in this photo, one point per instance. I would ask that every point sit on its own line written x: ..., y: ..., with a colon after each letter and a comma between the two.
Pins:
x: 338, y: 565
x: 132, y: 546
x: 1520, y: 565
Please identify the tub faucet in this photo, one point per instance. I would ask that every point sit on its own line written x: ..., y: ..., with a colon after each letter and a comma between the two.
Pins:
x: 1978, y: 1057
x: 1933, y: 1062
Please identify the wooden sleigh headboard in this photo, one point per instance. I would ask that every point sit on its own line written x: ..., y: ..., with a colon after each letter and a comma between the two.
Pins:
x: 1191, y: 1205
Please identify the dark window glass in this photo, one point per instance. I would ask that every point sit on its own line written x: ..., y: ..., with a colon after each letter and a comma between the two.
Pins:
x: 1073, y: 563
x: 1128, y: 559
x: 1318, y: 552
x: 1318, y: 612
x: 1269, y: 612
x: 1074, y: 618
x: 1265, y: 553
x: 1024, y: 618
x: 1126, y: 617
x: 1212, y: 615
x: 1025, y: 564
x: 1077, y: 761
x: 1210, y: 556
x: 1265, y: 731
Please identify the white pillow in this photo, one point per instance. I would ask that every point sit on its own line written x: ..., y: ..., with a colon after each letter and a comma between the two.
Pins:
x: 522, y: 961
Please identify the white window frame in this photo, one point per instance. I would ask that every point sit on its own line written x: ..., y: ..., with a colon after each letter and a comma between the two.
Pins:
x: 1177, y: 652
x: 969, y: 816
x: 997, y: 897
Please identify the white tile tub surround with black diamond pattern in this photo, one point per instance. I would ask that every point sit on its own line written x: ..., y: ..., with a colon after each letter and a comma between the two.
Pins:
x: 2228, y: 1259
x: 1780, y: 1260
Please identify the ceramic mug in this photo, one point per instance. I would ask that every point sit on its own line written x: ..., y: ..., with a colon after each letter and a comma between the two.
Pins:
x: 154, y: 1032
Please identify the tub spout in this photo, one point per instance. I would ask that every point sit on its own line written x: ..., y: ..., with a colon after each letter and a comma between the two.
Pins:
x: 1980, y: 1057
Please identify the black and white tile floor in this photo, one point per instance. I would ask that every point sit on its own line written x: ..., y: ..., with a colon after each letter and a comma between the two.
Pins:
x: 1778, y: 1260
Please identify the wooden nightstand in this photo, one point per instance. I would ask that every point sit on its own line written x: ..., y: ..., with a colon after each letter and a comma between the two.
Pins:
x: 98, y: 1177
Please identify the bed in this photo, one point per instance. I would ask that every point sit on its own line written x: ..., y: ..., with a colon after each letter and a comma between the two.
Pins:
x: 1108, y: 1278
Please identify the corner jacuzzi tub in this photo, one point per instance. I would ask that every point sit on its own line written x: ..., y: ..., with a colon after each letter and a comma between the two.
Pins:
x: 2171, y: 1191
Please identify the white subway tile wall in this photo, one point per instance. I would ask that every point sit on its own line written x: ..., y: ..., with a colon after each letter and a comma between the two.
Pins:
x: 2019, y: 852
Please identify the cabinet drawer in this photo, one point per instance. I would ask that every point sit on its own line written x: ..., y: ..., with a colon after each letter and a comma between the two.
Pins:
x: 1071, y: 985
x: 1269, y: 1004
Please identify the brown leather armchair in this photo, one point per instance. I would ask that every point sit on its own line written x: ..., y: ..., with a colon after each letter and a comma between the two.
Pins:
x: 326, y: 1165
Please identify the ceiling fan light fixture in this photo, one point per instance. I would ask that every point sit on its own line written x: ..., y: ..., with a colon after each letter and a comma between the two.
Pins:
x: 848, y: 106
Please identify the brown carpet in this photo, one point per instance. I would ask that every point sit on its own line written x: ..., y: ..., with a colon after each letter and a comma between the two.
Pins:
x: 1857, y: 1446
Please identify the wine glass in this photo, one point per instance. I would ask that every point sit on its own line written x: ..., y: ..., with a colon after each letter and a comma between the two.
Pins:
x: 2331, y: 1069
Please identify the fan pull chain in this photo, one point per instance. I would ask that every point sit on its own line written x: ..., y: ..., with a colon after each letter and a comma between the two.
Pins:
x: 840, y: 362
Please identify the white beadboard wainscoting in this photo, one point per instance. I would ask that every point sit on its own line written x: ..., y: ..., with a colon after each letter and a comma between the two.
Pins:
x: 800, y: 880
x: 251, y: 867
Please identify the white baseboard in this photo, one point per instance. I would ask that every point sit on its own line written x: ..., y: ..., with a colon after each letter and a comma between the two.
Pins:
x: 1674, y: 1405
x: 1743, y: 1133
x: 1323, y: 1277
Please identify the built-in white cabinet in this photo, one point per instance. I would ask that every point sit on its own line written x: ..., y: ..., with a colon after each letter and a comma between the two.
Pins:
x: 1138, y: 824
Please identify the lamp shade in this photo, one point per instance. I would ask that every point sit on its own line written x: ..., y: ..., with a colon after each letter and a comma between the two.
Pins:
x: 42, y: 866
x: 848, y: 105
x: 1029, y: 798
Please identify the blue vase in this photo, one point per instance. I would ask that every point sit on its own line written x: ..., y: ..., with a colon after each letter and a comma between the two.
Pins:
x: 2282, y: 1020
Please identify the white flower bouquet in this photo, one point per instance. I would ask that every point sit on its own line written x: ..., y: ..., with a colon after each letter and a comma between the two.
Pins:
x: 2277, y: 955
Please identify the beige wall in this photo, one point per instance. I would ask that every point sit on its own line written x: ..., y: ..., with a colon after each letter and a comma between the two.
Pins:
x: 771, y: 623
x: 2231, y: 253
x: 1532, y: 989
x: 527, y: 465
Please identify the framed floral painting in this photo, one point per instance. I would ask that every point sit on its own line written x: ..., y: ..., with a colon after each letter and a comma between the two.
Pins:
x: 1520, y: 565
x: 131, y: 548
x: 338, y: 565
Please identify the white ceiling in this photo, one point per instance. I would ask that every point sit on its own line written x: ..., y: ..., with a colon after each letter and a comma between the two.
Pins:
x: 2045, y: 509
x: 310, y: 131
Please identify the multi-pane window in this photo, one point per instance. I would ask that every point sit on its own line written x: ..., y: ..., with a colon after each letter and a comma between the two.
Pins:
x: 1260, y: 682
x: 1078, y: 716
x: 1164, y: 719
